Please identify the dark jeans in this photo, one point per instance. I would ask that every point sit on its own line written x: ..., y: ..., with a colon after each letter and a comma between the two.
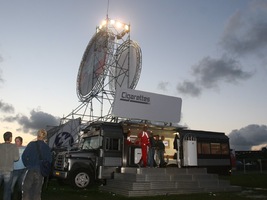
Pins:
x: 161, y: 157
x: 32, y: 185
x: 151, y: 154
x: 7, y: 177
x: 18, y: 176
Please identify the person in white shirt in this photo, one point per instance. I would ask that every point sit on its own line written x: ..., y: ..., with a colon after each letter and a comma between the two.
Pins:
x: 19, y: 169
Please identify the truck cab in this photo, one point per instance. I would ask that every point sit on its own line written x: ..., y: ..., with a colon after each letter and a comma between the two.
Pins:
x: 98, y: 156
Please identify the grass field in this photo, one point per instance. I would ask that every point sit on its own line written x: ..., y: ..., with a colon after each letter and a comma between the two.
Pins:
x: 254, y: 187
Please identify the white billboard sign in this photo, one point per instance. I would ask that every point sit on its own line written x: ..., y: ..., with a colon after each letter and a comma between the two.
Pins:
x: 135, y: 104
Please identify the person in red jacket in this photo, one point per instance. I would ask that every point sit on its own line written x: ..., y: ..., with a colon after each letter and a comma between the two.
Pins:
x: 143, y: 137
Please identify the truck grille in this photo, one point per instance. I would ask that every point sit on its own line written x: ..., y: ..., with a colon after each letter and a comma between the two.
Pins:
x: 60, y: 161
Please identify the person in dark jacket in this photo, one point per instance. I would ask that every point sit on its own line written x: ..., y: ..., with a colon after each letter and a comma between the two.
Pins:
x: 161, y: 151
x: 33, y: 181
x: 151, y: 150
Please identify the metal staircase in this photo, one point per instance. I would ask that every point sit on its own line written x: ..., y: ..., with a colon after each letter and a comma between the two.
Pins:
x: 133, y: 182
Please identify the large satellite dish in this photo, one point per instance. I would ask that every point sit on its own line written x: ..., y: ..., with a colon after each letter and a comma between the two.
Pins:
x: 126, y: 68
x: 92, y: 69
x: 110, y: 61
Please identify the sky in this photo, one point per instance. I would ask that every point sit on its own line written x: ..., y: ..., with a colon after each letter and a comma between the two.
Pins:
x: 212, y: 54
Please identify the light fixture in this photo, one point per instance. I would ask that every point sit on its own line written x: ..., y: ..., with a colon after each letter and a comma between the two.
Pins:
x: 120, y: 28
x: 119, y: 24
x: 104, y: 22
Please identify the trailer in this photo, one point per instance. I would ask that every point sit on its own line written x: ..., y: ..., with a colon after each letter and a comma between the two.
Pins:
x: 212, y: 150
x: 103, y: 151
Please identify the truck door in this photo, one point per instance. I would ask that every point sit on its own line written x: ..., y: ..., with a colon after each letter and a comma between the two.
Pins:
x: 112, y: 146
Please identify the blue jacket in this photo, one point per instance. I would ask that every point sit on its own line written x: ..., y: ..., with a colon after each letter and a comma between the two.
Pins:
x: 30, y: 156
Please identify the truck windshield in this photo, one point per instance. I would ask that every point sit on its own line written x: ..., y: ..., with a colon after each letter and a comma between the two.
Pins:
x: 91, y: 143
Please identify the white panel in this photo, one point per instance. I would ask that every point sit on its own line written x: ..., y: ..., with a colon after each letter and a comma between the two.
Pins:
x: 137, y: 104
x: 190, y: 153
x: 137, y: 155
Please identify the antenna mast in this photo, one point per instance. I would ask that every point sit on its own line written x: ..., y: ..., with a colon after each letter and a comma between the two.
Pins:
x: 107, y: 9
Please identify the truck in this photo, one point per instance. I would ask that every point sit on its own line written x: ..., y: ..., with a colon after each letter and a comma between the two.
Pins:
x: 103, y: 151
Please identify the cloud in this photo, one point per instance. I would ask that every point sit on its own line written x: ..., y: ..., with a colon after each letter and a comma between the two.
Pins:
x: 246, y: 31
x: 247, y: 137
x: 5, y: 107
x: 245, y: 35
x: 189, y: 88
x: 163, y: 86
x: 37, y: 120
x: 209, y: 72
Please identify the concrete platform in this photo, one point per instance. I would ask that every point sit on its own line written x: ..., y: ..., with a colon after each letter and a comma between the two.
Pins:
x: 133, y: 182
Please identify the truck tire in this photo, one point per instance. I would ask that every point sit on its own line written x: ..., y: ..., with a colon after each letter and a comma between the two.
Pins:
x: 81, y: 179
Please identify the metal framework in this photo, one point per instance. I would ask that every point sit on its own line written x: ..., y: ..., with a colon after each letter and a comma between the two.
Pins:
x: 97, y: 106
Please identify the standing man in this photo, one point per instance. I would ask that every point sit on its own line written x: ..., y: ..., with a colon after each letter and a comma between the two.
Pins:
x: 144, y: 142
x: 33, y: 181
x: 9, y: 153
x: 161, y: 151
x: 151, y: 151
x: 19, y: 168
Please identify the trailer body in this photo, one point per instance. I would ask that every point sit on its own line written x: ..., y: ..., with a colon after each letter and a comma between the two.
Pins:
x: 103, y: 151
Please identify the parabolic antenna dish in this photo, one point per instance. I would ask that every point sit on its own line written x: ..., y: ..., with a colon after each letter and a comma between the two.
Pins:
x: 127, y: 66
x: 92, y: 69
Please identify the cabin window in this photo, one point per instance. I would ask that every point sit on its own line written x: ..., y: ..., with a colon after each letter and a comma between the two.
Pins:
x: 225, y: 149
x: 199, y: 148
x: 91, y: 143
x: 112, y: 144
x: 215, y: 148
x: 205, y: 148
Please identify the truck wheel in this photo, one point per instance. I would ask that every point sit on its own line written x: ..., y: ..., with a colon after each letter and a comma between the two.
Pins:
x: 81, y: 179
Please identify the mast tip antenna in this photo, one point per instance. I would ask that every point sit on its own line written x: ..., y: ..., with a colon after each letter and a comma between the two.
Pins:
x: 107, y: 9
